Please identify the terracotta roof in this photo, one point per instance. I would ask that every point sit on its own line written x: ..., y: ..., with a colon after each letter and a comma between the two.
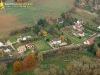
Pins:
x: 21, y: 47
x: 91, y: 40
x: 30, y: 44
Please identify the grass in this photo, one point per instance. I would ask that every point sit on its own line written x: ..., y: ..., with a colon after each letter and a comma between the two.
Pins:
x: 13, y: 38
x: 50, y: 37
x: 52, y: 8
x: 41, y: 45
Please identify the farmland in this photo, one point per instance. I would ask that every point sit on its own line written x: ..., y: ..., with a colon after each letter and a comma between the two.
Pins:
x: 19, y: 17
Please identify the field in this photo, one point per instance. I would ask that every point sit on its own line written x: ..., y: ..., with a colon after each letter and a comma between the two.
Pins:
x: 41, y: 45
x: 15, y: 18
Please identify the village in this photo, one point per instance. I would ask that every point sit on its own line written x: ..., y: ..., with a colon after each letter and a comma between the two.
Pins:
x: 65, y: 36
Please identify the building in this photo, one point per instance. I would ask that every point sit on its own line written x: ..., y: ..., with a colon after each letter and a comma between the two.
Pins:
x: 1, y: 44
x: 21, y: 49
x: 98, y: 27
x: 56, y: 41
x: 89, y: 41
x: 59, y: 20
x: 78, y: 29
x: 30, y: 45
x: 6, y: 50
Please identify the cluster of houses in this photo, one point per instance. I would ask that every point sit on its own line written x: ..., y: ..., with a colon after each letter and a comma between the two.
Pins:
x: 78, y: 29
x: 23, y: 48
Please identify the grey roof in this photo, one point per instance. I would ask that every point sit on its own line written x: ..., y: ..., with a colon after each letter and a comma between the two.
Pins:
x: 59, y: 20
x: 56, y: 39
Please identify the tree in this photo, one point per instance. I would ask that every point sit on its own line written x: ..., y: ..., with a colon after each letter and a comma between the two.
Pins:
x: 36, y: 29
x: 63, y: 15
x: 51, y: 30
x: 42, y: 22
x: 40, y: 57
x: 43, y: 32
x: 17, y: 66
x: 93, y: 2
x: 68, y: 15
x: 28, y: 61
x: 62, y: 38
x: 99, y: 45
x: 3, y: 67
x: 98, y: 53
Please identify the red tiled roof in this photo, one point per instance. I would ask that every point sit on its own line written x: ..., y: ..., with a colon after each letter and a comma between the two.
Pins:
x: 30, y: 44
x: 91, y: 40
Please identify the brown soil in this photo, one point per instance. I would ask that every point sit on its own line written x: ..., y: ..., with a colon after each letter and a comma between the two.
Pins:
x: 8, y: 23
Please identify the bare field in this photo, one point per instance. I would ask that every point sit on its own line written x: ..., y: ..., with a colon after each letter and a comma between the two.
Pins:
x: 8, y: 23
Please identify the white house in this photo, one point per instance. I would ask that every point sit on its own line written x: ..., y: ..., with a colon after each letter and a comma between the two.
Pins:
x: 21, y: 49
x: 59, y: 20
x: 99, y: 27
x: 1, y: 44
x: 56, y: 41
x: 6, y: 50
x: 78, y: 29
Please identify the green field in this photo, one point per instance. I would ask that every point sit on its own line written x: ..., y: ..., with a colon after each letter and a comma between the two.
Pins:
x: 43, y: 9
x: 41, y: 45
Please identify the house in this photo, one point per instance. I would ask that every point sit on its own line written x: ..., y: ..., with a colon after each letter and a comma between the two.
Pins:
x: 23, y: 38
x: 98, y: 27
x: 21, y: 49
x: 1, y: 44
x: 89, y: 41
x: 78, y: 29
x: 7, y: 50
x: 30, y: 45
x: 59, y: 20
x: 56, y: 41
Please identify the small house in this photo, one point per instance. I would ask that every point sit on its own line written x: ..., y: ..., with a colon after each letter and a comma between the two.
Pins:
x: 89, y: 41
x: 59, y: 20
x: 1, y: 44
x: 30, y: 45
x: 98, y: 27
x: 21, y: 49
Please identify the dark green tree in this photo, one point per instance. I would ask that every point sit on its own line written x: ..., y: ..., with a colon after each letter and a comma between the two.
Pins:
x: 36, y: 29
x: 63, y: 15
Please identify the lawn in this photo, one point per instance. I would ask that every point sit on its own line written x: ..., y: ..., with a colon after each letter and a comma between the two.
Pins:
x: 41, y: 45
